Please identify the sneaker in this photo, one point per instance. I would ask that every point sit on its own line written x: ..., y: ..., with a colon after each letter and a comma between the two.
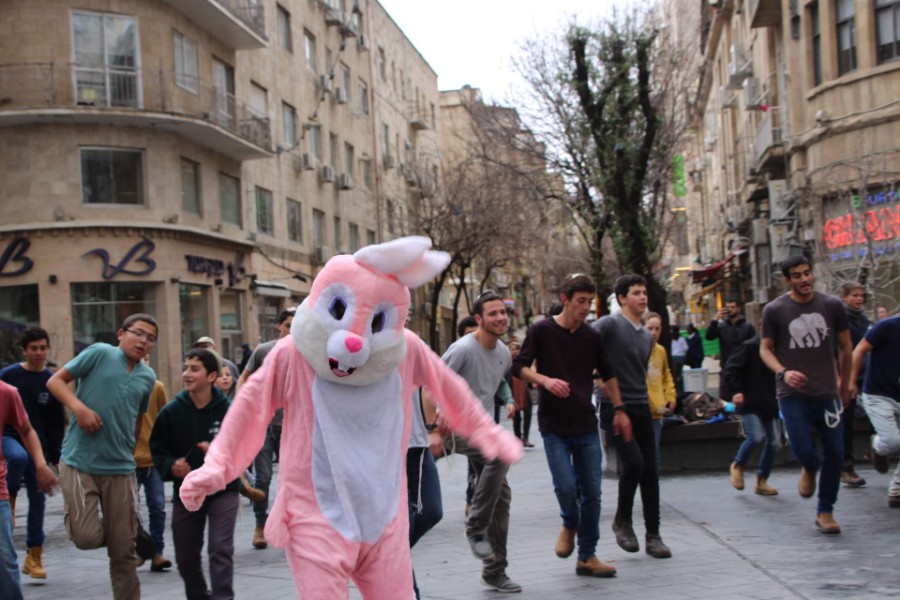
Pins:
x: 763, y: 488
x: 160, y: 563
x: 501, y: 583
x: 594, y: 567
x: 565, y: 543
x: 826, y: 523
x: 656, y: 548
x: 879, y: 461
x: 480, y: 546
x: 737, y: 476
x: 851, y: 479
x: 625, y: 537
x: 259, y: 538
x: 807, y: 484
x: 894, y: 501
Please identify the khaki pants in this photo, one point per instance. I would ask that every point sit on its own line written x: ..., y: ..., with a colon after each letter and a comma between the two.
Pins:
x: 99, y: 510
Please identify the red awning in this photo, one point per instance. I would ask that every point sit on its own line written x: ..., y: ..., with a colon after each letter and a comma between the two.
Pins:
x: 704, y: 274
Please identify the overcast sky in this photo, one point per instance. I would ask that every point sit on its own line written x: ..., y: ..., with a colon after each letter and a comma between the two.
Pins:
x: 471, y: 41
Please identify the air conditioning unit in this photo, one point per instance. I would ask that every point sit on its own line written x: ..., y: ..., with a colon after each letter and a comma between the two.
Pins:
x: 341, y: 96
x: 325, y: 83
x: 388, y: 161
x: 780, y: 205
x: 321, y: 255
x: 752, y: 97
x: 727, y: 97
x: 333, y: 16
x: 740, y: 66
x: 345, y: 181
x: 362, y: 42
x: 760, y: 232
x: 779, y: 237
x: 326, y: 173
x: 308, y: 161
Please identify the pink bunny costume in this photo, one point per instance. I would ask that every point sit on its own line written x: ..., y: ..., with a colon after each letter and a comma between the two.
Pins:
x: 344, y: 378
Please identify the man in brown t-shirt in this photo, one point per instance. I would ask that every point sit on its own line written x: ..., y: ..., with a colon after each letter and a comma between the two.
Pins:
x: 802, y: 331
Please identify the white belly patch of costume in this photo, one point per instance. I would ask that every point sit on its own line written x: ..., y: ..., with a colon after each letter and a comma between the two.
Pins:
x: 357, y: 435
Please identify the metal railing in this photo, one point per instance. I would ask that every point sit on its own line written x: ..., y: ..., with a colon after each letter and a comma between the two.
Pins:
x: 770, y: 133
x: 250, y: 12
x: 67, y: 85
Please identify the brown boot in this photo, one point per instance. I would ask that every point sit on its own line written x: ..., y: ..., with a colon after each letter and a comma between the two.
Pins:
x: 737, y: 476
x: 33, y: 565
x: 807, y: 484
x: 594, y: 567
x: 565, y: 543
x: 826, y: 522
x: 763, y: 488
x: 259, y: 538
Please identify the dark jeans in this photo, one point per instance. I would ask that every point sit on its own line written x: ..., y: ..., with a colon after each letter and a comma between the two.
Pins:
x: 220, y: 511
x: 262, y: 471
x: 523, y: 417
x: 801, y: 417
x: 848, y: 419
x: 637, y: 464
x: 423, y: 487
x: 575, y: 463
x: 155, y: 494
x: 20, y: 466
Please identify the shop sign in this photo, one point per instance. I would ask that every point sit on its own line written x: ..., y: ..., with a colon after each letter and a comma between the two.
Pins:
x: 213, y: 267
x: 879, y: 224
x: 137, y: 261
x: 14, y: 258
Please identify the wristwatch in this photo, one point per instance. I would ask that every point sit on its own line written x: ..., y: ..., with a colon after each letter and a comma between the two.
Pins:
x: 780, y: 375
x: 619, y: 407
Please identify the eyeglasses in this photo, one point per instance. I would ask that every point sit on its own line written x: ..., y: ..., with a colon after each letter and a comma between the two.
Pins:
x: 142, y: 335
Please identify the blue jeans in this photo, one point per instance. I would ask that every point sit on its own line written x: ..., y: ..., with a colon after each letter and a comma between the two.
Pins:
x: 156, y: 503
x: 19, y: 466
x: 759, y: 431
x: 657, y: 437
x: 801, y: 416
x: 575, y: 463
x: 10, y: 584
x: 262, y: 472
x: 423, y: 488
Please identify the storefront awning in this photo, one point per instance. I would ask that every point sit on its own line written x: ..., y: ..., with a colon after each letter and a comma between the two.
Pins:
x: 704, y: 274
x: 271, y: 288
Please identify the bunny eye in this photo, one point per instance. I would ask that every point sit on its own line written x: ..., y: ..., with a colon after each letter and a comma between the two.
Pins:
x: 338, y: 308
x: 378, y: 322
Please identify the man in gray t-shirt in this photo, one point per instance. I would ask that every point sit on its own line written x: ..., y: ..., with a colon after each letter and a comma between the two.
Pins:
x: 482, y: 360
x: 802, y: 332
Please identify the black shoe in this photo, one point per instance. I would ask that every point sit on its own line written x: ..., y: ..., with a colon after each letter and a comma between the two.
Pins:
x: 480, y: 546
x: 625, y: 537
x: 656, y: 548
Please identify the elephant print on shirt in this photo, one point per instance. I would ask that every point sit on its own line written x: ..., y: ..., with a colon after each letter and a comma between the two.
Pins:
x: 808, y: 331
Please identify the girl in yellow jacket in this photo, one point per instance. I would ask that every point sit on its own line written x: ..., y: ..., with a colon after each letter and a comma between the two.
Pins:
x: 660, y: 385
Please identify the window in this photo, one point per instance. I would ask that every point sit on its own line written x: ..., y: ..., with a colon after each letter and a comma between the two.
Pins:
x: 190, y: 186
x: 345, y: 80
x: 98, y: 310
x: 334, y: 149
x: 112, y: 176
x: 259, y: 100
x: 265, y: 212
x: 309, y: 50
x: 107, y: 61
x: 230, y: 199
x: 363, y: 97
x: 225, y: 101
x: 185, y: 63
x: 816, y: 42
x: 385, y: 139
x: 367, y: 173
x: 354, y: 237
x: 846, y: 35
x: 390, y: 215
x: 194, y: 305
x: 338, y: 238
x: 370, y: 237
x: 295, y: 221
x: 887, y: 25
x: 284, y: 28
x: 315, y: 142
x: 318, y: 228
x: 382, y: 64
x: 18, y: 311
x: 289, y: 124
x: 349, y: 160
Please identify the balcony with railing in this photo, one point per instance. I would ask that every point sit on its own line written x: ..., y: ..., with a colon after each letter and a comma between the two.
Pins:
x: 765, y: 13
x: 767, y: 151
x: 105, y: 94
x: 240, y: 24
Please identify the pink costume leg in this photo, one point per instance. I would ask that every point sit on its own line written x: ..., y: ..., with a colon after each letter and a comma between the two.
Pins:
x: 320, y: 570
x: 384, y: 571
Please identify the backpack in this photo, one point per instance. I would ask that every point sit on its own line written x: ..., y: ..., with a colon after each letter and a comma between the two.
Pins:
x: 701, y: 406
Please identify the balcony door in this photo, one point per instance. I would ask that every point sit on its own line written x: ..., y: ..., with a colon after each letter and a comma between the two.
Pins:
x: 225, y: 103
x: 106, y: 60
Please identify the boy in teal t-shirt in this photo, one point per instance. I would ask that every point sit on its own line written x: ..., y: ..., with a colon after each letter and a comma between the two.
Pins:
x: 97, y: 464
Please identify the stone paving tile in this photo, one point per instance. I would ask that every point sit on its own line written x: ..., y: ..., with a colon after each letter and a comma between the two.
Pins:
x: 726, y: 544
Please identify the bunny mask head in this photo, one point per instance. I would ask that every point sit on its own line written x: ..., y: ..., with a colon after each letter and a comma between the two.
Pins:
x: 350, y: 328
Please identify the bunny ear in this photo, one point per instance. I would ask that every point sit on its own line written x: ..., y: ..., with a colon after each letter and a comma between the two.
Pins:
x: 424, y: 269
x: 394, y: 256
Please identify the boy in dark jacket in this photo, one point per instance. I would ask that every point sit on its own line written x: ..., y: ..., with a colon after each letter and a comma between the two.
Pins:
x: 753, y: 387
x: 181, y: 435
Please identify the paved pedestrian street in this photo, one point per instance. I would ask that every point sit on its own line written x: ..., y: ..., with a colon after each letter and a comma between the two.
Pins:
x: 726, y: 544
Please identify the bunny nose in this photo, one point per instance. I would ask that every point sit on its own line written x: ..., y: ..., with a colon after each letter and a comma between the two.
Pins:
x: 353, y: 344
